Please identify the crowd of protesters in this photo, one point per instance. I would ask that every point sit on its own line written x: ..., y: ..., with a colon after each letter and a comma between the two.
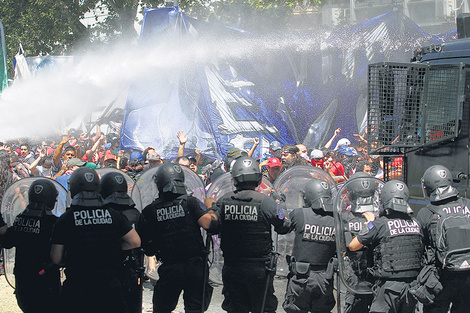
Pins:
x: 59, y: 158
x: 56, y: 158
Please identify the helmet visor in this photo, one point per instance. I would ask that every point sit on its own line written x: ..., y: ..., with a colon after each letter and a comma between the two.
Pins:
x: 363, y: 204
x: 325, y: 203
x: 176, y: 187
x: 398, y: 205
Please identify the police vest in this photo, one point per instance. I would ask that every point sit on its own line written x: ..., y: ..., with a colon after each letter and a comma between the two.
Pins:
x: 246, y: 233
x: 359, y: 260
x: 175, y: 230
x: 315, y: 242
x: 398, y: 255
x: 450, y: 231
x: 31, y: 234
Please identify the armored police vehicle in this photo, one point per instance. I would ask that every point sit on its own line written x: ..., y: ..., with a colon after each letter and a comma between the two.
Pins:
x: 419, y: 113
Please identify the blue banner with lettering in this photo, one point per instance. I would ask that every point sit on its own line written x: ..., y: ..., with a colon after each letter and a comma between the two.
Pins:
x: 223, y: 87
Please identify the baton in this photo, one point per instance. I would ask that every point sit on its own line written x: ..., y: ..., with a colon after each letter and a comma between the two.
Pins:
x: 205, y: 270
x: 270, y: 269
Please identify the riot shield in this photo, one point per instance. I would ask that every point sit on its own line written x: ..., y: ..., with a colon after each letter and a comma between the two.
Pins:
x: 133, y: 262
x: 130, y: 182
x: 222, y: 185
x: 14, y: 201
x: 289, y: 184
x: 348, y: 209
x: 145, y: 191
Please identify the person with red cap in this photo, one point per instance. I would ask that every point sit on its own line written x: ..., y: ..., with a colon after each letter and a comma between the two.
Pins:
x: 274, y: 169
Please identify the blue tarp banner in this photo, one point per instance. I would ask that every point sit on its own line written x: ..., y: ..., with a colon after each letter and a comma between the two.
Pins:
x: 223, y: 87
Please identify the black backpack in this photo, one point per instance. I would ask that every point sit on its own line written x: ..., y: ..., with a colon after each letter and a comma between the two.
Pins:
x: 452, y: 236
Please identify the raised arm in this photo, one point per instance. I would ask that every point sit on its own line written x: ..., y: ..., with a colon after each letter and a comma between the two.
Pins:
x: 335, y: 134
x: 183, y: 139
x: 98, y: 132
x: 35, y: 163
x: 89, y: 153
x: 58, y: 152
x: 253, y: 148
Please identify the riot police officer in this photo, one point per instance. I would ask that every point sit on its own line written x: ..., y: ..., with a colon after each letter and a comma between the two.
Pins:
x: 246, y: 217
x: 444, y: 222
x: 361, y: 199
x: 37, y: 281
x: 113, y: 189
x: 92, y: 238
x: 397, y: 244
x: 170, y: 230
x: 310, y: 285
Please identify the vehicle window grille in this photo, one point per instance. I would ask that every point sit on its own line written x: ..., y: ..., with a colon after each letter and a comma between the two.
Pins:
x: 412, y: 105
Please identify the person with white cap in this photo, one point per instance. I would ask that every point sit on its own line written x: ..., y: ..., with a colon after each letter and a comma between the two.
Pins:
x: 342, y: 142
x: 316, y: 158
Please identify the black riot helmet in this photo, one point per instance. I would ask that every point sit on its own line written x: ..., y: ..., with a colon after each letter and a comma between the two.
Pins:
x: 113, y: 189
x: 112, y: 182
x: 317, y: 195
x: 246, y: 173
x: 170, y: 178
x: 437, y: 183
x: 361, y: 192
x: 395, y: 195
x: 83, y: 179
x: 43, y: 191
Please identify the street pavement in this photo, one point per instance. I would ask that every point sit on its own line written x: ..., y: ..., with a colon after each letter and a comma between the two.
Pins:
x: 217, y: 297
x: 8, y: 300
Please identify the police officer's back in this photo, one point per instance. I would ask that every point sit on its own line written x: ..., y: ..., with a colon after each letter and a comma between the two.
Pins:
x: 170, y: 230
x: 310, y: 286
x: 92, y: 238
x: 396, y: 239
x: 246, y: 217
x: 113, y: 189
x: 37, y: 281
x: 361, y: 192
x: 446, y: 223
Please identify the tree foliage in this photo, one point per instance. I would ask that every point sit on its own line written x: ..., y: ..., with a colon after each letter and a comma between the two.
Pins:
x: 43, y: 26
x: 54, y: 27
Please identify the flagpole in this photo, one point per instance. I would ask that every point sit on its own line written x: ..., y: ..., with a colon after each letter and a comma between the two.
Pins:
x: 3, y: 64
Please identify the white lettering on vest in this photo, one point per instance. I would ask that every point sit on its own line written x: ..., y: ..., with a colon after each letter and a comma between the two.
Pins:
x: 400, y: 227
x: 318, y: 232
x: 27, y: 225
x: 169, y: 213
x: 92, y: 217
x: 237, y: 212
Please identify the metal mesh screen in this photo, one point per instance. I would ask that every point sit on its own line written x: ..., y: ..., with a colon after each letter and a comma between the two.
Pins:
x: 444, y: 89
x: 407, y: 98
